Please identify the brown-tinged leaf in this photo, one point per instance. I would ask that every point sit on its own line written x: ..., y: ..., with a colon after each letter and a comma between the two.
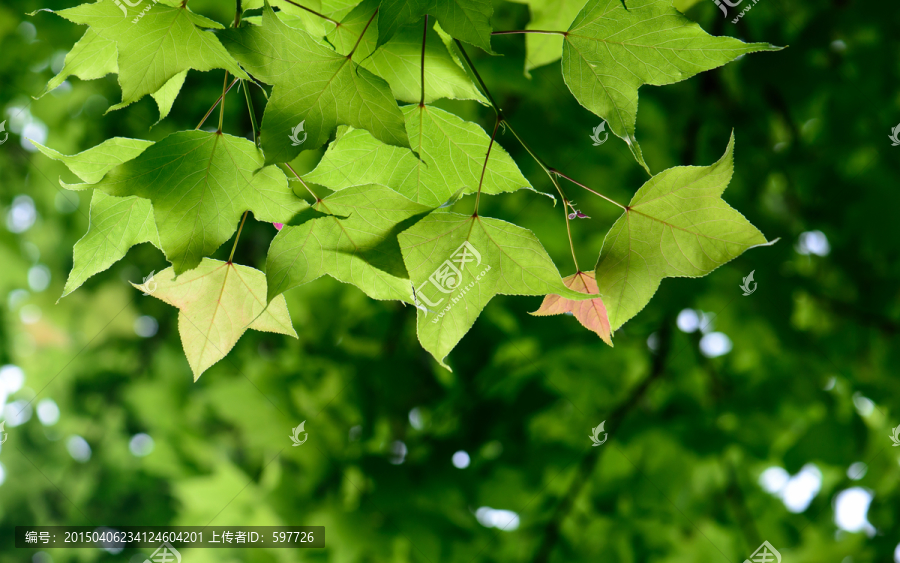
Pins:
x: 591, y: 313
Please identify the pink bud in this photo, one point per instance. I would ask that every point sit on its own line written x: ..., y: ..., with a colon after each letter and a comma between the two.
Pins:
x: 279, y: 226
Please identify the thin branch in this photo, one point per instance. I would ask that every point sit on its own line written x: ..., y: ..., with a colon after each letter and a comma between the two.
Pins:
x: 222, y: 107
x: 241, y: 228
x: 315, y: 13
x: 506, y: 121
x: 540, y: 31
x: 480, y: 81
x: 590, y: 461
x: 566, y: 207
x: 484, y: 168
x: 361, y: 35
x: 558, y: 173
x: 202, y: 121
x: 302, y: 182
x: 253, y: 124
x: 238, y: 12
x: 502, y: 119
x: 424, y: 37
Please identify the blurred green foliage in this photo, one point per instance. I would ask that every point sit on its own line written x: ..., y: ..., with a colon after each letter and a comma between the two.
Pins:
x: 810, y: 378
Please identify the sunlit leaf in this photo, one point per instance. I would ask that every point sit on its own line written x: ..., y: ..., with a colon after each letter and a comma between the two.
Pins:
x: 356, y: 245
x: 451, y: 154
x: 677, y: 225
x: 200, y: 183
x: 610, y: 52
x: 467, y: 20
x: 165, y: 41
x: 458, y: 263
x: 313, y: 86
x: 217, y: 303
x: 91, y: 58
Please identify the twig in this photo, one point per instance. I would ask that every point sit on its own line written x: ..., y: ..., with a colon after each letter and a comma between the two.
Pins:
x: 241, y: 228
x: 484, y: 168
x: 361, y: 35
x: 566, y: 206
x: 424, y: 37
x: 302, y: 182
x: 558, y: 173
x: 590, y: 461
x: 253, y: 124
x: 222, y: 107
x: 202, y: 121
x: 313, y: 12
x: 540, y: 31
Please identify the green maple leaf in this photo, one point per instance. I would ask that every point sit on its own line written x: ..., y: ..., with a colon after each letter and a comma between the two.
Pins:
x: 399, y: 61
x: 94, y: 57
x: 360, y: 248
x: 166, y: 41
x: 457, y: 263
x: 91, y: 165
x: 314, y: 86
x: 200, y: 183
x: 116, y: 223
x: 217, y: 303
x: 303, y: 19
x: 547, y: 15
x: 362, y: 20
x: 610, y: 52
x: 91, y: 57
x: 677, y: 225
x: 467, y: 20
x: 165, y: 96
x: 452, y: 156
